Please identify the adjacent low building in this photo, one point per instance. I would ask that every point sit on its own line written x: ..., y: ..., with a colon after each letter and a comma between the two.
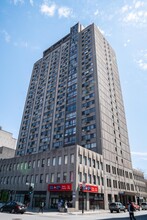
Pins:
x: 7, y: 144
x: 140, y: 186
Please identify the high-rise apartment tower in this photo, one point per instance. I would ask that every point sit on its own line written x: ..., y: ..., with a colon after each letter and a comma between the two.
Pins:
x: 74, y: 97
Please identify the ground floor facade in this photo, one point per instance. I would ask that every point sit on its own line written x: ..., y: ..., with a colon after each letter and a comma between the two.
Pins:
x: 72, y: 176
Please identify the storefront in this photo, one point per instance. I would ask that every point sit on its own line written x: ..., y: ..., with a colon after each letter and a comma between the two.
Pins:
x: 59, y: 194
x: 89, y: 198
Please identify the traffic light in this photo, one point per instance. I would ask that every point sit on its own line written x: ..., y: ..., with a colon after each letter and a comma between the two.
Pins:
x: 26, y: 198
x: 31, y: 189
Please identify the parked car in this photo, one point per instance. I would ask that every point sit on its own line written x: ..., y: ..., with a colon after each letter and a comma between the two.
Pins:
x: 14, y: 207
x: 136, y: 207
x: 144, y: 205
x: 1, y: 204
x: 117, y: 206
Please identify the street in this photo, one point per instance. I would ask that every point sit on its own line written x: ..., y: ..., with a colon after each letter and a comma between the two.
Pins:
x: 142, y: 215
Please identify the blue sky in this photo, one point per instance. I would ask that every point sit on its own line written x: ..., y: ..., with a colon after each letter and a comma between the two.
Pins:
x: 28, y: 27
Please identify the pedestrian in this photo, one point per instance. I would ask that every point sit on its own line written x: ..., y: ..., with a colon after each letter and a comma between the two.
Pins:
x: 131, y: 210
x: 41, y: 207
x: 66, y: 206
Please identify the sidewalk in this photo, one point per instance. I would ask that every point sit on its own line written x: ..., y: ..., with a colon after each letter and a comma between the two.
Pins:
x: 54, y: 213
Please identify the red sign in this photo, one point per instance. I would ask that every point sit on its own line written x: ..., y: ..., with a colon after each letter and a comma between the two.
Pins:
x: 60, y: 187
x: 89, y: 188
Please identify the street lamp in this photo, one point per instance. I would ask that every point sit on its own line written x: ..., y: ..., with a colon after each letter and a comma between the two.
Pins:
x: 82, y: 189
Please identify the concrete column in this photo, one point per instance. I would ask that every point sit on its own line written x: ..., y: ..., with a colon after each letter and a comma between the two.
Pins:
x: 87, y: 201
x: 47, y: 200
x: 76, y: 201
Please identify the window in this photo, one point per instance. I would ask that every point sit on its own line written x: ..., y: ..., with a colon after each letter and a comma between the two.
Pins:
x: 36, y: 178
x: 43, y: 162
x: 72, y: 158
x: 33, y: 163
x: 41, y: 178
x: 58, y: 177
x: 108, y: 168
x: 47, y: 178
x: 65, y: 159
x: 94, y: 179
x: 52, y: 177
x: 80, y: 159
x: 59, y: 160
x: 89, y: 178
x: 102, y: 181
x: 85, y: 177
x: 32, y: 179
x: 64, y: 177
x: 54, y: 161
x: 29, y: 165
x: 80, y: 177
x: 48, y: 161
x: 98, y: 180
x: 71, y: 176
x: 93, y: 161
x: 89, y: 161
x: 85, y: 160
x: 38, y: 163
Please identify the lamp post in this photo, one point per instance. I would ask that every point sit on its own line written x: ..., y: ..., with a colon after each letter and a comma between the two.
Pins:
x: 83, y: 187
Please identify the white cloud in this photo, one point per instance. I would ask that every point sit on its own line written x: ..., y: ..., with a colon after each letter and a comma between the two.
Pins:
x: 125, y: 8
x: 142, y: 64
x: 142, y: 60
x: 102, y: 31
x: 22, y: 44
x: 15, y: 2
x: 135, y: 14
x: 48, y: 10
x: 64, y: 12
x: 96, y: 12
x: 32, y: 2
x: 138, y: 4
x: 7, y: 37
x: 126, y: 43
x: 139, y: 153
